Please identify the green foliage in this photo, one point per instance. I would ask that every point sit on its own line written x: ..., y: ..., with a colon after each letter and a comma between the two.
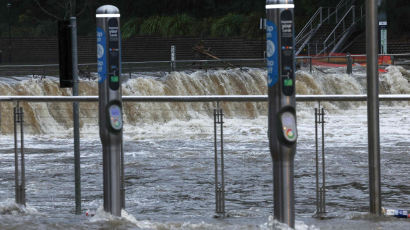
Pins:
x: 203, y: 28
x: 227, y: 26
x: 250, y: 27
x: 131, y: 27
x: 185, y: 25
x: 168, y: 26
x: 181, y: 25
x: 152, y: 26
x: 175, y: 17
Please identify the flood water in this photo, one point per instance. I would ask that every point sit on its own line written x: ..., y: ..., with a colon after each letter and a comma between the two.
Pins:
x: 169, y: 158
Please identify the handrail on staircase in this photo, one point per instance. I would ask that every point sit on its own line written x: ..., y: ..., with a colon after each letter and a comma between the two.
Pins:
x: 315, y: 22
x: 303, y: 36
x: 309, y: 23
x: 341, y: 23
x: 319, y: 12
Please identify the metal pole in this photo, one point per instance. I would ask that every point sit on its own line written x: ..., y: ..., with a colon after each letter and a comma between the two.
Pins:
x: 216, y: 162
x: 323, y: 163
x: 349, y: 66
x: 173, y: 58
x: 20, y: 180
x: 353, y: 15
x: 317, y: 165
x: 222, y: 164
x: 219, y: 188
x: 373, y: 107
x: 77, y: 167
x: 23, y: 169
x: 122, y: 185
x: 16, y: 164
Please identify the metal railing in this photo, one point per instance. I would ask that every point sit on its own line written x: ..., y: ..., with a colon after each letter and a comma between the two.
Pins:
x: 205, y: 98
x: 321, y: 16
x: 341, y: 30
x: 317, y: 20
x: 219, y: 185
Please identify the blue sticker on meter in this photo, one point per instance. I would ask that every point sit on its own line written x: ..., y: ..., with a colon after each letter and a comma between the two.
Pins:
x: 101, y: 55
x: 272, y: 52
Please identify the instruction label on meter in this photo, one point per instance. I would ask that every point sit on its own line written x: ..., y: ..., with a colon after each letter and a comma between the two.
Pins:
x: 272, y: 53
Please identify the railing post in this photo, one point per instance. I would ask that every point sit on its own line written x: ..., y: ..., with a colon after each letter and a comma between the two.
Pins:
x: 16, y: 164
x: 353, y: 15
x: 320, y: 187
x: 122, y: 175
x: 219, y: 186
x: 349, y: 66
x: 323, y: 163
x: 173, y: 58
x: 20, y: 180
x: 317, y: 164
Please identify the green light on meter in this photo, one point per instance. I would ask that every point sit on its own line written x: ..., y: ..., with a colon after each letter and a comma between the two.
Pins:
x: 114, y: 79
x: 288, y: 82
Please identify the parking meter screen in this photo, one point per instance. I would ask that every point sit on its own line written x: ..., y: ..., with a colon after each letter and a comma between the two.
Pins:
x: 289, y: 126
x: 115, y: 117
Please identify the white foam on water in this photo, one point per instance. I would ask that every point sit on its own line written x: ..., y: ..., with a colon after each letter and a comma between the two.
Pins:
x: 10, y: 207
x: 102, y: 216
x: 275, y: 224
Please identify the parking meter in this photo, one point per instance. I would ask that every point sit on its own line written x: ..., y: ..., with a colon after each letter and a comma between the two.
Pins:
x: 110, y: 103
x: 282, y: 129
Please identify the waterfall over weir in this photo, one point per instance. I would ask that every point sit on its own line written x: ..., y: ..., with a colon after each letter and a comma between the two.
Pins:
x: 57, y: 117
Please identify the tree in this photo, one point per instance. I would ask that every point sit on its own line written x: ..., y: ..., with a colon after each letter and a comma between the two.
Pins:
x: 55, y: 8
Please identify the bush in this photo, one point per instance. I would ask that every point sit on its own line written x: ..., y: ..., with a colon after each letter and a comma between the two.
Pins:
x: 250, y: 27
x: 167, y: 26
x: 228, y: 26
x: 231, y: 25
x: 151, y: 26
x: 181, y: 25
x: 131, y: 27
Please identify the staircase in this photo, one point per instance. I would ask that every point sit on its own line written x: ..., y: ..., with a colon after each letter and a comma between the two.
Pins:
x: 329, y: 28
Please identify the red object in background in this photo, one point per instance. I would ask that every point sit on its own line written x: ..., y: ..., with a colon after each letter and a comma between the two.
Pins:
x: 340, y: 60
